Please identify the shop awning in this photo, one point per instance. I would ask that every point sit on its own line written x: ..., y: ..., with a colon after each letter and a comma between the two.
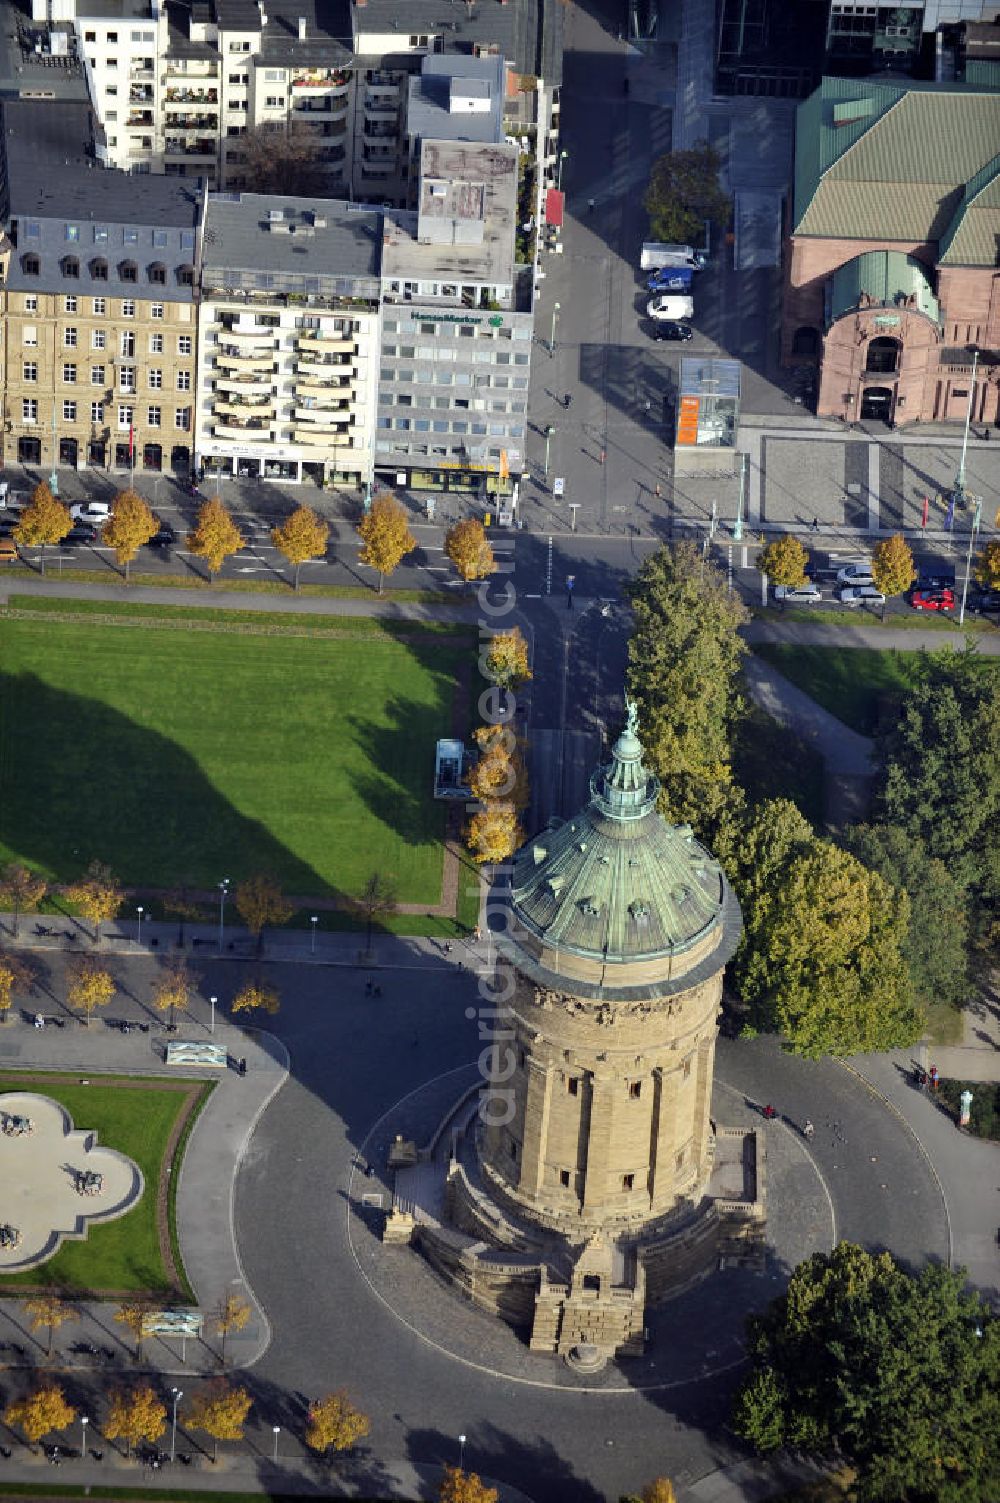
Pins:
x: 555, y: 205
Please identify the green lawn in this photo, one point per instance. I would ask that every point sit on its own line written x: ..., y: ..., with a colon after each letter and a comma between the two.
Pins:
x: 191, y: 755
x: 851, y: 682
x: 770, y: 762
x: 138, y: 1120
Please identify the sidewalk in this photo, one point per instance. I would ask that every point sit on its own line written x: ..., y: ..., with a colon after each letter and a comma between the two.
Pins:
x: 904, y: 639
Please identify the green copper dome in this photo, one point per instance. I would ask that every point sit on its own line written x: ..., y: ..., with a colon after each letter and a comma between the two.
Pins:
x: 617, y: 883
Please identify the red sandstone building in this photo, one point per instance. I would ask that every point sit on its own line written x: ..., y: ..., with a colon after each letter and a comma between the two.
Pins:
x: 893, y: 259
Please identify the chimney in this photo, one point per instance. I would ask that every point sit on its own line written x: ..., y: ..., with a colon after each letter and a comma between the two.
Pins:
x: 263, y: 14
x: 302, y: 28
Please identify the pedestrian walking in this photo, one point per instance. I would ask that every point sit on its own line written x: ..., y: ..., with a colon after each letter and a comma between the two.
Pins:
x: 808, y: 1131
x: 657, y: 488
x: 815, y: 524
x: 567, y: 399
x: 934, y: 1077
x: 769, y: 1112
x: 590, y: 205
x: 604, y: 455
x: 447, y: 947
x: 477, y: 934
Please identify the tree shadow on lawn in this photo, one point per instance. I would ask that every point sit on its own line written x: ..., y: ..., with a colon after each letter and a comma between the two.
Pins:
x: 80, y: 781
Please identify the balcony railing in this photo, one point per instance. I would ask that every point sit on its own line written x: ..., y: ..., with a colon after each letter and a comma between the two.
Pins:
x: 235, y: 429
x: 326, y: 339
x: 174, y: 146
x: 236, y: 360
x: 244, y: 340
x: 315, y: 78
x: 235, y: 386
x: 195, y: 70
x: 175, y: 98
x: 139, y: 119
x: 316, y: 438
x: 140, y: 94
x: 243, y: 411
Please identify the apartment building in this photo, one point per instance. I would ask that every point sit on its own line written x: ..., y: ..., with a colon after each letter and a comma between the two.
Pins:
x: 98, y: 303
x: 457, y: 324
x: 177, y: 88
x: 288, y: 339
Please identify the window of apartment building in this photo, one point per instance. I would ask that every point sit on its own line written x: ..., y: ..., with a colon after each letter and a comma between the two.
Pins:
x: 112, y: 141
x: 112, y: 38
x: 69, y: 338
x: 156, y: 310
x: 158, y: 276
x: 128, y: 271
x: 183, y: 380
x: 155, y: 380
x: 98, y: 339
x: 31, y: 303
x: 182, y: 418
x: 31, y: 266
x: 100, y: 234
x: 187, y: 239
x: 111, y: 63
x: 90, y: 36
x: 128, y: 308
x: 184, y: 344
x: 520, y: 359
x: 100, y: 306
x: 272, y: 102
x: 69, y: 375
x: 71, y: 232
x: 112, y: 91
x: 99, y: 270
x: 69, y: 412
x: 125, y: 416
x: 111, y: 117
x: 153, y: 415
x: 239, y: 78
x: 29, y: 409
x: 130, y: 237
x: 156, y: 344
x: 126, y: 378
x: 128, y: 343
x: 239, y: 46
x: 185, y: 276
x: 419, y: 41
x: 97, y: 412
x: 29, y: 371
x: 97, y: 375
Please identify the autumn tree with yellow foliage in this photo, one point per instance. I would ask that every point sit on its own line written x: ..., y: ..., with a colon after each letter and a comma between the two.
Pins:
x: 220, y: 1409
x: 22, y: 890
x: 500, y: 772
x: 215, y: 535
x: 300, y: 537
x: 91, y: 985
x: 172, y: 992
x: 131, y: 524
x: 468, y: 547
x: 893, y: 569
x: 504, y: 659
x: 333, y: 1424
x: 137, y: 1318
x: 259, y: 902
x: 256, y: 997
x: 16, y: 974
x: 43, y: 521
x: 784, y: 561
x: 97, y: 894
x: 135, y: 1414
x: 47, y: 1312
x: 987, y: 570
x: 494, y: 833
x: 386, y: 536
x: 40, y: 1412
x: 458, y: 1486
x: 231, y: 1315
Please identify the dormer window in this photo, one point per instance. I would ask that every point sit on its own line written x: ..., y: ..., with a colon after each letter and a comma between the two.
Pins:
x: 158, y: 273
x: 31, y: 266
x: 70, y: 266
x: 128, y: 271
x: 185, y: 276
x: 99, y: 269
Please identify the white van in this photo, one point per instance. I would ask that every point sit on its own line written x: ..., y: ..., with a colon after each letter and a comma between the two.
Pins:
x: 670, y: 306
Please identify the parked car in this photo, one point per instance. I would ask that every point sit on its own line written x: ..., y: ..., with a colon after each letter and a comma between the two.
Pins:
x: 165, y: 538
x: 670, y: 306
x: 932, y: 600
x: 668, y: 329
x: 81, y: 532
x: 8, y: 551
x: 671, y: 279
x: 806, y: 594
x: 983, y: 600
x: 855, y: 574
x: 97, y: 512
x: 861, y: 595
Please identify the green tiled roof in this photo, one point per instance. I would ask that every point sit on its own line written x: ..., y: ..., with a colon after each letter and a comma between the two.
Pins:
x: 617, y: 882
x: 973, y: 237
x: 880, y: 161
x: 887, y: 277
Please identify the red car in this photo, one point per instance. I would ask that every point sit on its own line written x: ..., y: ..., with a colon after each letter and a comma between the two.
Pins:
x: 933, y: 600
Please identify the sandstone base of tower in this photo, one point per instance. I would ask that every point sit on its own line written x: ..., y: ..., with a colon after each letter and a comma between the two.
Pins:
x: 583, y: 1297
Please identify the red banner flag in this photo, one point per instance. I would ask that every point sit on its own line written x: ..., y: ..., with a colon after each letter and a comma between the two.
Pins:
x: 131, y: 441
x: 927, y: 511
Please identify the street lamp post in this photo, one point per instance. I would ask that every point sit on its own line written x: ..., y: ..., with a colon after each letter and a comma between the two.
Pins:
x: 54, y: 477
x: 562, y: 157
x: 314, y: 921
x: 178, y: 1394
x: 977, y: 516
x: 738, y: 524
x: 213, y: 1001
x: 138, y: 928
x: 552, y: 336
x: 84, y: 1422
x: 960, y: 477
x: 549, y: 430
x: 277, y: 1431
x: 223, y: 894
x: 461, y: 1453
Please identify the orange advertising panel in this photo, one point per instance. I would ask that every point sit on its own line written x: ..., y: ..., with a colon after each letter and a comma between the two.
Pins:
x: 687, y: 421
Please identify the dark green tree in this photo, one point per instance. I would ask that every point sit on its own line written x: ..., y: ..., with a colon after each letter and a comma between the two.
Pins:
x: 684, y: 661
x: 683, y: 192
x: 941, y: 761
x: 936, y: 945
x: 897, y: 1375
